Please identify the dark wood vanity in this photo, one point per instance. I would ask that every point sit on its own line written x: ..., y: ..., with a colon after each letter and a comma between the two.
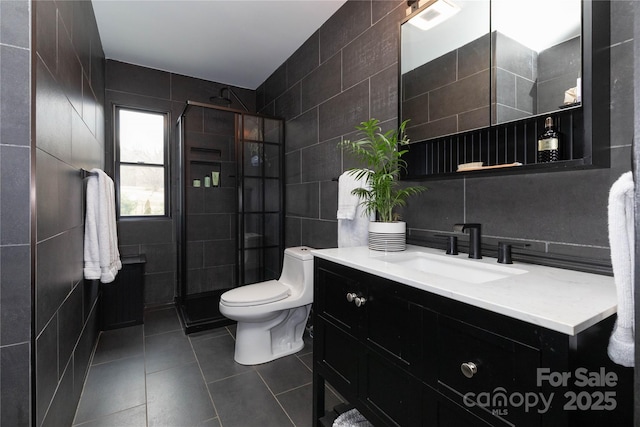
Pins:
x: 406, y: 357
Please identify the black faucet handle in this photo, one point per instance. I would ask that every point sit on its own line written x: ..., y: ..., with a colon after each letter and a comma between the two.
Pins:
x: 452, y: 243
x: 504, y: 251
x: 466, y: 226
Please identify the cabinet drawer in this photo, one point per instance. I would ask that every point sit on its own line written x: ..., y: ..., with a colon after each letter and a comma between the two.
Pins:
x: 439, y: 411
x: 503, y: 367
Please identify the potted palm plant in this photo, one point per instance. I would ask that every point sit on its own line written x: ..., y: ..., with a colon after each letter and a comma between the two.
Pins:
x: 380, y: 154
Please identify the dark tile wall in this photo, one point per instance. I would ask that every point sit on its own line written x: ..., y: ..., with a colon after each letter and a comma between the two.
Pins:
x: 558, y: 69
x: 211, y: 211
x: 563, y: 212
x: 15, y: 253
x: 451, y: 93
x: 133, y: 86
x: 69, y: 135
x: 516, y: 74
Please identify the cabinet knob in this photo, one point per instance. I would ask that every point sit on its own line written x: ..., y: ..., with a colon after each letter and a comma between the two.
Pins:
x: 360, y: 301
x: 351, y: 296
x: 468, y: 369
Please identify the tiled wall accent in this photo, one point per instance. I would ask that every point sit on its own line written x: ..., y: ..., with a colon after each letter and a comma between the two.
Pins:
x: 15, y: 254
x: 563, y: 212
x: 69, y: 135
x: 133, y: 86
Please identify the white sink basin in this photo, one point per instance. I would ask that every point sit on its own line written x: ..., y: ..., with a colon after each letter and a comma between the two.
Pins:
x: 465, y: 270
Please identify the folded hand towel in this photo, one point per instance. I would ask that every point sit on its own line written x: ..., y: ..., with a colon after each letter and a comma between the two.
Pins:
x: 348, y: 202
x: 101, y: 255
x: 353, y: 224
x: 621, y: 240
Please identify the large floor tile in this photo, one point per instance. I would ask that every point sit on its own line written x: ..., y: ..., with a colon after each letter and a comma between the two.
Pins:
x: 209, y: 333
x: 245, y: 401
x: 164, y: 351
x: 178, y: 397
x: 119, y: 344
x: 284, y: 374
x: 134, y: 417
x: 215, y: 356
x: 159, y: 321
x: 298, y: 404
x: 112, y: 387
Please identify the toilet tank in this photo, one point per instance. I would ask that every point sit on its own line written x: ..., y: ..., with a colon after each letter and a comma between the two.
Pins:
x: 297, y: 269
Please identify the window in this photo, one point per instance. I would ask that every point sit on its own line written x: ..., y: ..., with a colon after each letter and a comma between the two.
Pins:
x: 141, y: 158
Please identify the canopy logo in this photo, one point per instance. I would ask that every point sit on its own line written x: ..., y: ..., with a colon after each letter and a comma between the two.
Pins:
x: 499, y: 401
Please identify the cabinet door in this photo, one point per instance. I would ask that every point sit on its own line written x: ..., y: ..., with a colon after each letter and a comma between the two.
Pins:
x: 391, y: 322
x: 504, y: 369
x: 336, y: 328
x: 332, y: 284
x: 391, y: 393
x: 335, y: 356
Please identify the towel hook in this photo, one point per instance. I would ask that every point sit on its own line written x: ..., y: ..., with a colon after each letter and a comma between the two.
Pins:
x: 85, y: 173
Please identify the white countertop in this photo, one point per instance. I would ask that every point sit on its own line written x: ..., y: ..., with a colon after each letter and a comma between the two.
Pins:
x: 566, y: 301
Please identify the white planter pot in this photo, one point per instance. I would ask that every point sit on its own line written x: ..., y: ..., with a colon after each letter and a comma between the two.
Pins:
x: 387, y: 236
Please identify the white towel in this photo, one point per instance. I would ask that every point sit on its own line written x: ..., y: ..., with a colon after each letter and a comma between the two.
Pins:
x: 101, y: 255
x: 351, y: 418
x: 353, y: 224
x: 347, y: 202
x: 621, y: 240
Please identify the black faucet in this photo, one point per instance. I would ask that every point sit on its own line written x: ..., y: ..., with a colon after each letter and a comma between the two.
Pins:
x: 504, y: 251
x: 475, y: 238
x: 452, y: 243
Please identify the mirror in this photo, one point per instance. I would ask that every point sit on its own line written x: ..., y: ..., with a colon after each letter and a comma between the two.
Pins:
x: 469, y: 64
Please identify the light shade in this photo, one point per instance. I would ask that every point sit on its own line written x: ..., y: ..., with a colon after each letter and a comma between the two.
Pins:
x: 435, y: 14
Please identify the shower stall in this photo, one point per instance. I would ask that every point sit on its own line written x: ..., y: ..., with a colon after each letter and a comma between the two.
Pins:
x: 230, y: 207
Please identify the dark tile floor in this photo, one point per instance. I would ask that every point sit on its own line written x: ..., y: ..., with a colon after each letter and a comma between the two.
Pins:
x: 155, y: 375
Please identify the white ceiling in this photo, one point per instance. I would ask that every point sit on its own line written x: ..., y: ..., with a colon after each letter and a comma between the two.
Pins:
x: 235, y: 42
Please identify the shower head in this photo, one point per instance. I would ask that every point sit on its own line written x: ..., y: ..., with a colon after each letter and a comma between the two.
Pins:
x: 222, y: 99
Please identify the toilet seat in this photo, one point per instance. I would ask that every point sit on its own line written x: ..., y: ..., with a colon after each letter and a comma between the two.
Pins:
x: 256, y: 294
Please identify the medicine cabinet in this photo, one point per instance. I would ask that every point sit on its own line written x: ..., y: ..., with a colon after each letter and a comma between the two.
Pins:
x: 478, y: 78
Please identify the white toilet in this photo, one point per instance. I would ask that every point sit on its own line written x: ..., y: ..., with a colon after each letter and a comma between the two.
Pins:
x: 272, y: 315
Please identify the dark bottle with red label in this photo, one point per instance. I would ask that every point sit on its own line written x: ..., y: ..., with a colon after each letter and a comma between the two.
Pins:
x: 549, y: 143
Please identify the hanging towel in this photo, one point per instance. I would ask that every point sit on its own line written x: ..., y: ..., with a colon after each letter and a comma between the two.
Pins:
x: 101, y: 255
x: 353, y: 224
x: 621, y: 241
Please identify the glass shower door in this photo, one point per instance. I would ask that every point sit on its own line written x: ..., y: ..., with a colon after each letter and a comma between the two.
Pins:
x: 260, y: 193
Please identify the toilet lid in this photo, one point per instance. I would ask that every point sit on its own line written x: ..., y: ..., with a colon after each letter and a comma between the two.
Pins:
x: 256, y: 294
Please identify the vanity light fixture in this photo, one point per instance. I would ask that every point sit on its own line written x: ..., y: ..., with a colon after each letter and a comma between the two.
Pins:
x: 436, y: 13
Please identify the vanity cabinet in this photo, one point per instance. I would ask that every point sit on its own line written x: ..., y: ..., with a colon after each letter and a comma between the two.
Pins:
x: 407, y: 357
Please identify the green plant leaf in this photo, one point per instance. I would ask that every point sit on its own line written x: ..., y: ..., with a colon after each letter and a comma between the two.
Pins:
x: 382, y: 164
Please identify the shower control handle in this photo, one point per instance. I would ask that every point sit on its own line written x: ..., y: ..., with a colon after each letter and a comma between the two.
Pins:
x: 351, y: 296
